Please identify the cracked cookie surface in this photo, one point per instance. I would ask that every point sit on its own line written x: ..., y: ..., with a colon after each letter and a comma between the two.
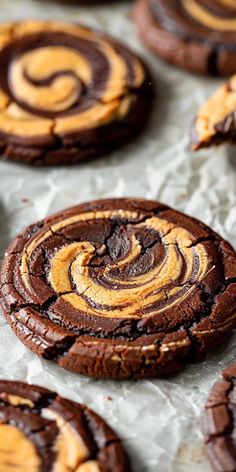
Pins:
x: 43, y: 432
x: 67, y: 93
x: 216, y: 119
x: 197, y: 35
x: 120, y: 288
x: 219, y: 422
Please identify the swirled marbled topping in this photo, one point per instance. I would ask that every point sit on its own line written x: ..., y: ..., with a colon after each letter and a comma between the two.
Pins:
x: 61, y: 83
x: 199, y: 19
x: 215, y: 122
x: 197, y: 35
x: 42, y: 432
x: 120, y: 274
x: 131, y: 285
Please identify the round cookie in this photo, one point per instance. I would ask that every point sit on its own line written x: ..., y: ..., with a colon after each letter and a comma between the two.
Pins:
x: 67, y: 93
x: 120, y: 288
x: 42, y: 432
x: 197, y: 35
x: 215, y: 122
x: 220, y: 424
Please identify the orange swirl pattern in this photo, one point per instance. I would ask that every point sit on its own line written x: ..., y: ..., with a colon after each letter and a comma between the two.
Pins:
x: 60, y: 83
x: 209, y: 17
x: 197, y: 35
x: 42, y: 432
x: 69, y: 272
x: 119, y: 288
x: 215, y: 121
x: 71, y: 452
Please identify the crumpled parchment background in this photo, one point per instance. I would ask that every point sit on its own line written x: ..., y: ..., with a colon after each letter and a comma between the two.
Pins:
x: 159, y: 421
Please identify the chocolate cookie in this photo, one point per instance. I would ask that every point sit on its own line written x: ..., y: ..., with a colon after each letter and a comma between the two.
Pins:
x: 123, y: 288
x: 220, y: 424
x: 67, y: 93
x: 42, y: 432
x: 216, y: 119
x: 197, y: 35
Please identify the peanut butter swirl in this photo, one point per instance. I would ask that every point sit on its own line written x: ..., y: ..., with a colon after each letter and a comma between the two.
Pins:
x: 131, y: 282
x: 215, y: 121
x: 198, y: 35
x: 42, y: 432
x: 198, y: 18
x: 63, y: 87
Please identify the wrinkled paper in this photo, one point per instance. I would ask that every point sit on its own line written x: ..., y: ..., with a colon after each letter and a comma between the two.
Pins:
x: 159, y: 421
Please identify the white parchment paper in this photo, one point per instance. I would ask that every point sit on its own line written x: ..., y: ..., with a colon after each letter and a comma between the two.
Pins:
x: 159, y: 421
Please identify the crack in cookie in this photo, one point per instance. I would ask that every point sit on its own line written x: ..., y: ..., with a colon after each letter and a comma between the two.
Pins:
x: 120, y: 288
x: 219, y: 422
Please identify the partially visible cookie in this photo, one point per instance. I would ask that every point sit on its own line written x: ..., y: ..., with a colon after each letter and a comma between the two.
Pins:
x: 67, y: 93
x: 42, y: 432
x: 220, y: 423
x: 120, y: 288
x: 197, y: 35
x: 216, y: 119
